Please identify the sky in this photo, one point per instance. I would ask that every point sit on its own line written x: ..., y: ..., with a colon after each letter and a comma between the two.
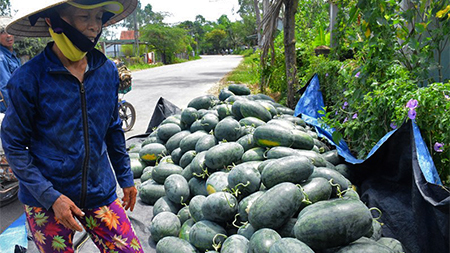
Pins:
x: 183, y: 10
x: 180, y: 10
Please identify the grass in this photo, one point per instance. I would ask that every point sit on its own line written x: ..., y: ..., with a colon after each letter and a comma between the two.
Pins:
x: 246, y: 72
x: 141, y: 66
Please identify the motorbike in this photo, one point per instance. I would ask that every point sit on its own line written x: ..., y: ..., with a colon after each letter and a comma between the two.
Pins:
x: 126, y: 110
x: 127, y: 114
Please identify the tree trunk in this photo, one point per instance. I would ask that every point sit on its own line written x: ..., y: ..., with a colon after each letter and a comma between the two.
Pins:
x: 262, y: 81
x: 258, y: 21
x: 289, y: 49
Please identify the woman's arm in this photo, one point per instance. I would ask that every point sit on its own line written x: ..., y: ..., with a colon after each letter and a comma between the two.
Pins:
x: 16, y: 132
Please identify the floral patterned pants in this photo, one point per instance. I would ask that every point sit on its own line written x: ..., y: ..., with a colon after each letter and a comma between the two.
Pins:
x: 108, y: 226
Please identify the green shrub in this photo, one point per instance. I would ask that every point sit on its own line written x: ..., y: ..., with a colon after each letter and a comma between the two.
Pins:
x: 363, y: 114
x: 247, y: 71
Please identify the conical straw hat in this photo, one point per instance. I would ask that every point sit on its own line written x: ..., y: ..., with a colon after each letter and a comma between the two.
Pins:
x: 21, y: 25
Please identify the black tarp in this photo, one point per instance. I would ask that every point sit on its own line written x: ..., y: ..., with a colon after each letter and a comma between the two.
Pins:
x: 163, y: 109
x: 413, y: 210
x: 398, y: 177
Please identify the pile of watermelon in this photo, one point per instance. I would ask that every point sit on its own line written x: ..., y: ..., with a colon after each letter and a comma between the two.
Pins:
x: 240, y: 173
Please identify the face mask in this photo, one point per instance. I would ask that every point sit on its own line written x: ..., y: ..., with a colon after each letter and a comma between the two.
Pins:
x: 73, y: 44
x: 66, y: 46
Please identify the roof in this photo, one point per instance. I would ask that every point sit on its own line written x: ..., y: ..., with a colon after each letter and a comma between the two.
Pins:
x: 127, y: 35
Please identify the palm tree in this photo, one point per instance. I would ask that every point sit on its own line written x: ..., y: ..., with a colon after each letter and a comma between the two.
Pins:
x: 269, y: 26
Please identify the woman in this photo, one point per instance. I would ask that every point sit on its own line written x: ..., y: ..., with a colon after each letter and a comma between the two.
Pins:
x: 62, y: 131
x: 8, y: 61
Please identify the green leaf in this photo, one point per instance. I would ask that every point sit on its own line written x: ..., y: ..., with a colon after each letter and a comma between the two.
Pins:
x: 420, y: 27
x: 40, y: 219
x: 91, y: 223
x: 58, y: 243
x: 337, y: 137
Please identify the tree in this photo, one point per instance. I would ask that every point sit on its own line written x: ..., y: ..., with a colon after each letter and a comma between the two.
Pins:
x: 269, y: 24
x: 224, y: 21
x: 216, y: 37
x: 251, y: 15
x: 166, y: 40
x: 143, y: 17
x: 30, y: 46
x: 5, y: 8
x: 200, y: 28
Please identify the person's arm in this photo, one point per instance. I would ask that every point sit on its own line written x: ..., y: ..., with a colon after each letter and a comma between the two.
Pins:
x: 115, y: 141
x: 4, y: 77
x: 16, y: 132
x: 17, y: 127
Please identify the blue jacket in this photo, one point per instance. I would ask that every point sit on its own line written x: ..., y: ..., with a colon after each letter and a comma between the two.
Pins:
x: 8, y: 63
x: 58, y: 133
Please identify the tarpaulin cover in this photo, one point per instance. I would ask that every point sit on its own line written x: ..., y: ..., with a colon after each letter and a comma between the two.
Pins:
x: 15, y: 236
x: 163, y: 109
x: 398, y: 177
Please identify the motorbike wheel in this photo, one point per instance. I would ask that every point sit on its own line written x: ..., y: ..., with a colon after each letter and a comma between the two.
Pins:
x: 128, y: 115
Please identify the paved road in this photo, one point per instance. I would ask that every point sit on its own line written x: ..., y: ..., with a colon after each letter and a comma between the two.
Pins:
x: 178, y: 83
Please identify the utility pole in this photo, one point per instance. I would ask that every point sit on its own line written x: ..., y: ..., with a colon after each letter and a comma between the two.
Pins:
x: 333, y: 15
x: 136, y: 34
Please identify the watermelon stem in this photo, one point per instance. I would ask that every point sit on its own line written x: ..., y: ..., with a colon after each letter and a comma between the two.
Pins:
x: 379, y: 211
x: 218, y: 245
x: 305, y: 196
x: 229, y: 204
x: 230, y: 167
x: 203, y: 175
x: 339, y: 192
x: 199, y: 175
x: 234, y: 221
x: 160, y: 157
x: 265, y: 153
x: 181, y: 201
x: 235, y: 190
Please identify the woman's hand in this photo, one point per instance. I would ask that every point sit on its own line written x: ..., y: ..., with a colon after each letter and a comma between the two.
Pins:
x: 129, y: 198
x: 65, y: 209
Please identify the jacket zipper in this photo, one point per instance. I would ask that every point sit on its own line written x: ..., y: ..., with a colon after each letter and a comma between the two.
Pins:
x: 86, y: 146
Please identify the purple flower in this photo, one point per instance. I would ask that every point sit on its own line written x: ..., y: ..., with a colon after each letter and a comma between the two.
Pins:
x: 412, y: 104
x: 326, y: 74
x: 357, y: 74
x: 345, y: 105
x: 412, y: 113
x: 447, y: 97
x: 342, y: 67
x: 393, y: 125
x: 439, y: 147
x: 345, y: 120
x: 355, y: 116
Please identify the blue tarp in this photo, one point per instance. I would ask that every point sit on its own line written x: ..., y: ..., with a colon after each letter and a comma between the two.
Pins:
x: 312, y: 102
x: 15, y: 234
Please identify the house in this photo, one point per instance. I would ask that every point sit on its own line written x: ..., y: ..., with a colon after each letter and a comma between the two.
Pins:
x: 113, y: 48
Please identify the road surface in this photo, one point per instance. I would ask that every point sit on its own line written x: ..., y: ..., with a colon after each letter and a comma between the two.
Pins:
x: 178, y: 83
